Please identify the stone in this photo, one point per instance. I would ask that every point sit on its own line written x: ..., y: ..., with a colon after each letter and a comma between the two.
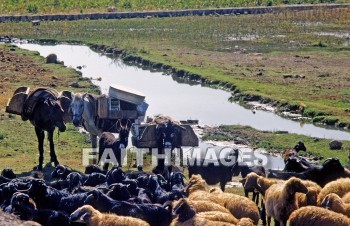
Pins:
x: 335, y: 145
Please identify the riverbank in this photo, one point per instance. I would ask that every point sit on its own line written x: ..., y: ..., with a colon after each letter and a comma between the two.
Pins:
x: 274, y: 143
x: 295, y: 61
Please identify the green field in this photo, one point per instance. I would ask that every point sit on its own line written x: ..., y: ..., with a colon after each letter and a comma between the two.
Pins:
x: 254, y: 53
x: 251, y: 52
x: 80, y: 6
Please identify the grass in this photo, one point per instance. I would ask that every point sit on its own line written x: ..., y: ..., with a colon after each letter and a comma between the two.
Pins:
x: 234, y: 49
x: 78, y: 6
x: 275, y: 142
x: 18, y: 144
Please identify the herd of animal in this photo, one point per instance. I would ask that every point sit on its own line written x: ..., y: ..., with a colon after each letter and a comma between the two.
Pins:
x: 319, y: 195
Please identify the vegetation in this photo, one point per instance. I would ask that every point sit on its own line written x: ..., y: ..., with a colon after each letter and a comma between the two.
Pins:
x: 298, y: 58
x: 277, y: 143
x: 79, y: 6
x: 18, y: 143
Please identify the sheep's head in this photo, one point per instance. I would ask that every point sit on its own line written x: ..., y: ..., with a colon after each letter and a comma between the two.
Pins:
x: 294, y: 185
x: 311, y: 196
x: 251, y: 181
x: 333, y: 202
x: 19, y: 199
x: 184, y: 210
x: 195, y: 183
x: 92, y: 197
x: 8, y: 173
x: 84, y: 214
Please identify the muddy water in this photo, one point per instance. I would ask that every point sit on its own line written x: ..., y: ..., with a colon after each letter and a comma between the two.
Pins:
x: 181, y: 101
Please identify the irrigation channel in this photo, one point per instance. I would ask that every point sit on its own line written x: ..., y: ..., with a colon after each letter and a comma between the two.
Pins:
x: 181, y: 101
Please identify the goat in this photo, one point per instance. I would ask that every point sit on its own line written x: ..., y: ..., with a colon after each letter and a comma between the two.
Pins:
x: 159, y: 195
x: 316, y: 216
x: 108, y: 140
x: 147, y: 212
x: 330, y: 170
x: 214, y: 174
x: 88, y: 215
x: 23, y: 206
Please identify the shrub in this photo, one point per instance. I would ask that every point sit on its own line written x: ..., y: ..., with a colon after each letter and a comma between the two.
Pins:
x: 32, y: 9
x: 330, y: 120
x: 1, y: 136
x: 319, y: 44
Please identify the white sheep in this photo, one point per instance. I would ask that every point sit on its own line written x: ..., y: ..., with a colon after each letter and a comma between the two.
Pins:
x: 280, y: 200
x: 88, y: 215
x: 316, y: 216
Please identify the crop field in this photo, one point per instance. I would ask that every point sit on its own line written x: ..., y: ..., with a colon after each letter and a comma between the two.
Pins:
x: 79, y: 6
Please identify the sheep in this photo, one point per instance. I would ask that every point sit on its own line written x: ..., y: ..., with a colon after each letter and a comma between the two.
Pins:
x: 335, y: 203
x: 240, y: 207
x: 159, y: 195
x: 119, y: 191
x: 280, y: 200
x: 204, y: 206
x: 88, y: 215
x: 316, y: 216
x: 23, y: 206
x: 147, y: 212
x: 261, y: 184
x: 339, y: 187
x: 346, y: 197
x: 308, y: 199
x: 187, y: 217
x: 245, y: 170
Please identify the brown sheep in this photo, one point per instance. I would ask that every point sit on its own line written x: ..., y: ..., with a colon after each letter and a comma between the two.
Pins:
x: 187, y: 217
x: 254, y: 181
x: 280, y: 199
x: 88, y: 215
x: 308, y: 199
x: 335, y: 203
x: 239, y: 206
x: 346, y: 197
x: 205, y: 206
x: 340, y: 187
x: 316, y: 216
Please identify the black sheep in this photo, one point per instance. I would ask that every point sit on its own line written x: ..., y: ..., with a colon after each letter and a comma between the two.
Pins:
x: 154, y: 214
